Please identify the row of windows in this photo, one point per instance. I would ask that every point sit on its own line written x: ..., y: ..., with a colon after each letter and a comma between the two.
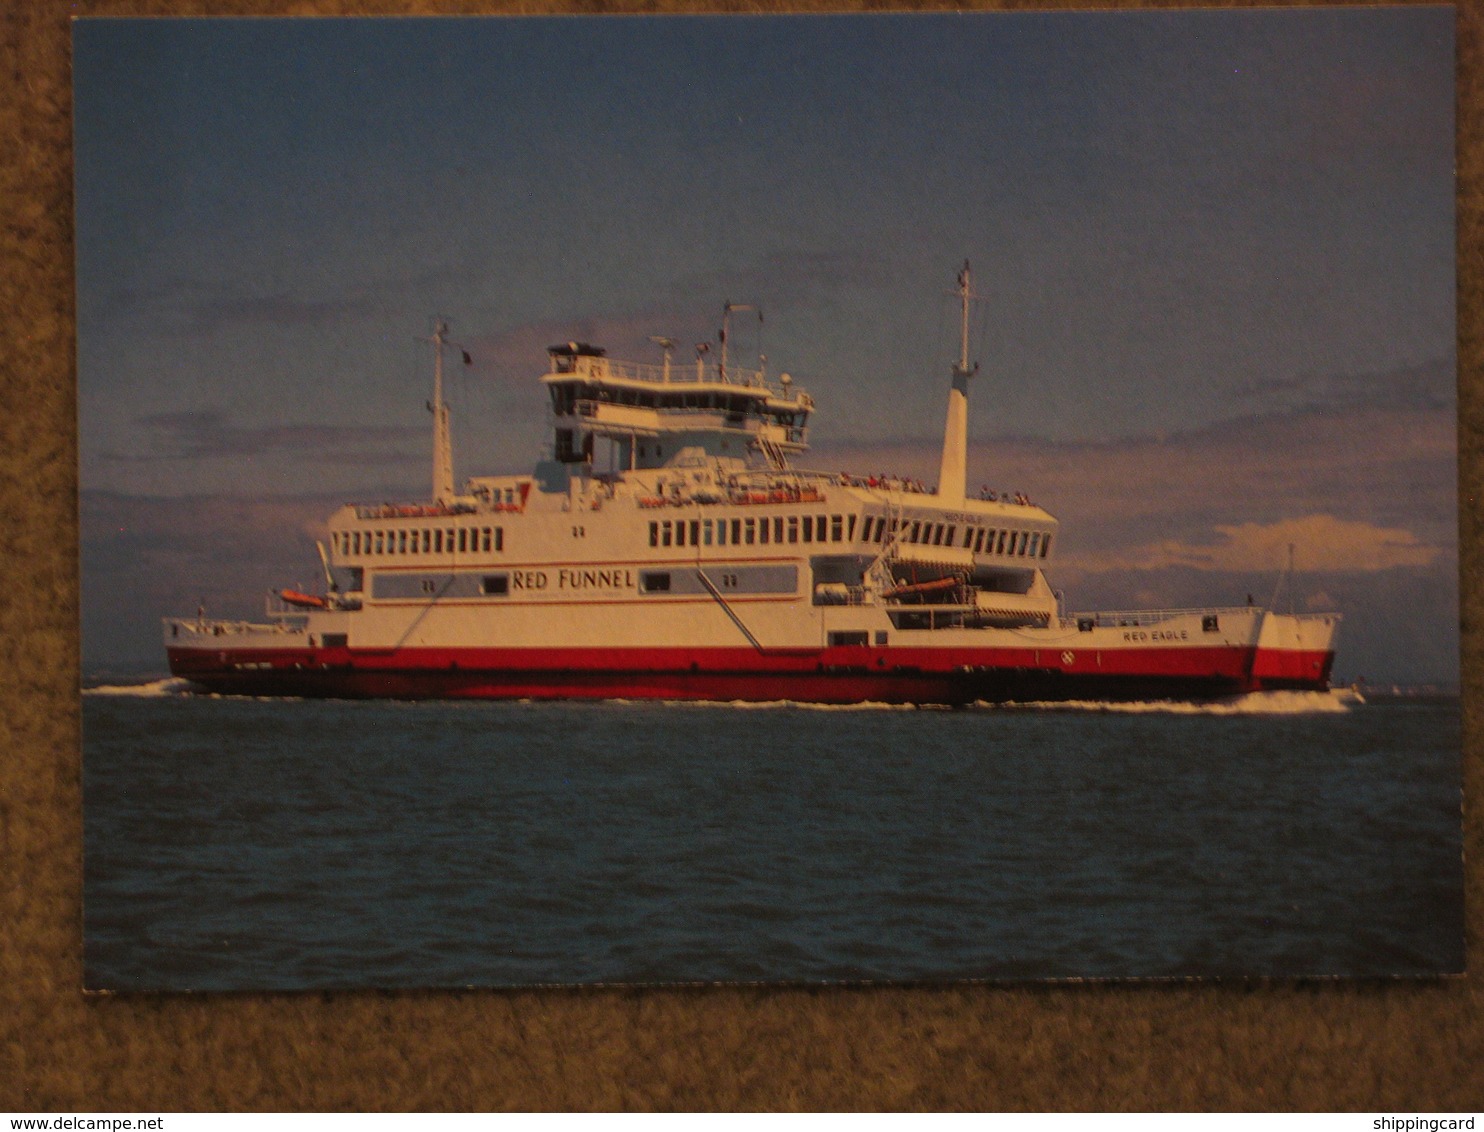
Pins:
x: 567, y: 398
x: 841, y: 528
x: 980, y: 540
x: 423, y: 540
x: 752, y: 530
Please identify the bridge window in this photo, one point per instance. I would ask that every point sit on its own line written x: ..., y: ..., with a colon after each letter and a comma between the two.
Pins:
x: 654, y: 534
x: 778, y: 528
x: 999, y: 546
x: 736, y: 531
x: 850, y: 529
x: 764, y: 530
x: 749, y: 531
x: 819, y: 521
x: 666, y: 534
x: 680, y: 532
x: 1035, y: 544
x: 1045, y: 544
x: 837, y: 527
x: 793, y: 528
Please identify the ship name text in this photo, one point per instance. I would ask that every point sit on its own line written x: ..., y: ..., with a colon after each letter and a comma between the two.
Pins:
x: 601, y: 578
x: 1158, y: 635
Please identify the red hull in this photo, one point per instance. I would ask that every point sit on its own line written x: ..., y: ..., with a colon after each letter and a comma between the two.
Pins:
x: 851, y: 674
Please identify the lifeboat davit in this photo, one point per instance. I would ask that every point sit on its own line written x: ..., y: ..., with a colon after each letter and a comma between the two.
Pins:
x: 937, y: 585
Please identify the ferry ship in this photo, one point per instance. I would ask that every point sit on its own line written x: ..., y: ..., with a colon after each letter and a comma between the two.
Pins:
x: 671, y: 548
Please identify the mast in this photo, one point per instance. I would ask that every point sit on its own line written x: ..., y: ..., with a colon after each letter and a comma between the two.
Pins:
x: 953, y: 470
x: 726, y: 326
x: 442, y: 442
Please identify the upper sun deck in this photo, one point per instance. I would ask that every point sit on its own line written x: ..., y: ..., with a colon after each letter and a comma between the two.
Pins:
x: 651, y: 413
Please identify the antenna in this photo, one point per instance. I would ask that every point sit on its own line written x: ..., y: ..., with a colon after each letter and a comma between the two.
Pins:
x: 1285, y: 580
x: 726, y: 322
x: 667, y: 345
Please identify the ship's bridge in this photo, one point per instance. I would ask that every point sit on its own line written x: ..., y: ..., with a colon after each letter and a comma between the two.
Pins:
x: 650, y: 413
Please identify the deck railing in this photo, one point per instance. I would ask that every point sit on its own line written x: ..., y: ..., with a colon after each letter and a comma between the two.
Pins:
x: 1138, y: 618
x: 682, y: 373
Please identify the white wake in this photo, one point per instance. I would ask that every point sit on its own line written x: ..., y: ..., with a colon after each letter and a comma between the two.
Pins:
x: 170, y: 686
x: 1336, y: 701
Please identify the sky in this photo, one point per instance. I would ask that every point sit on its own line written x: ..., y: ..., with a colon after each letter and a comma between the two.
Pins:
x: 1214, y: 252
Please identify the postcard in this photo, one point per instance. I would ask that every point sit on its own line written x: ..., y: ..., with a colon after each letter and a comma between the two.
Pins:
x: 798, y: 499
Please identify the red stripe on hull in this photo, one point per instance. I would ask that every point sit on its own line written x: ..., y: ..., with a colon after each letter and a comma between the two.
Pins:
x: 850, y: 674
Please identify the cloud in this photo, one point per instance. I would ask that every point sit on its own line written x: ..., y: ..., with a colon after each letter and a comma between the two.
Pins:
x: 514, y: 355
x: 197, y: 308
x: 1321, y: 542
x: 1387, y: 468
x: 144, y: 558
x: 1427, y: 385
x: 195, y: 435
x: 1361, y: 490
x: 787, y: 280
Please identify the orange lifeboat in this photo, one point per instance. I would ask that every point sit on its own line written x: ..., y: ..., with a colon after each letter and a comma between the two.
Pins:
x: 304, y: 601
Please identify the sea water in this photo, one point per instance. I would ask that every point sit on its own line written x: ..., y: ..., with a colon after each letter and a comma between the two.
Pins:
x: 286, y: 844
